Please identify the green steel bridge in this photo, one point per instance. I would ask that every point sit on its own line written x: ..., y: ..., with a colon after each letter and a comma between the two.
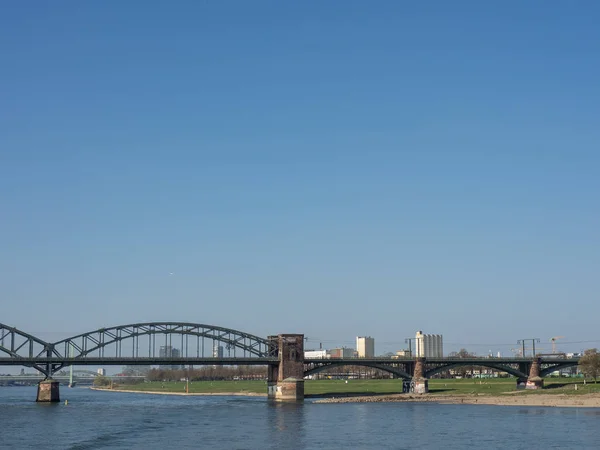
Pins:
x: 154, y: 344
x: 184, y: 343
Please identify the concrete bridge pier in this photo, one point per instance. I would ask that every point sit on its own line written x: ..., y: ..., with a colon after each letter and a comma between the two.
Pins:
x: 285, y: 380
x: 534, y: 381
x: 48, y: 391
x: 420, y: 384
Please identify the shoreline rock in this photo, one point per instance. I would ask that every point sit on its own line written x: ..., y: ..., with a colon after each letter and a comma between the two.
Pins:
x: 549, y: 400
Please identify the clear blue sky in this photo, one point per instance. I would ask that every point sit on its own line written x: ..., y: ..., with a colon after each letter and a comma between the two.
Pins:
x: 330, y: 168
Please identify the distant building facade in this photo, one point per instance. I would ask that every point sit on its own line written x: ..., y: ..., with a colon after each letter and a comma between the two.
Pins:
x: 429, y: 345
x: 101, y: 372
x: 341, y: 352
x: 167, y: 351
x: 403, y: 354
x: 365, y: 347
x: 316, y: 354
x: 218, y: 350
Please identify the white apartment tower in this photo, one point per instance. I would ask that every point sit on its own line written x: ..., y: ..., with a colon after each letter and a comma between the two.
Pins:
x: 365, y: 346
x: 429, y: 345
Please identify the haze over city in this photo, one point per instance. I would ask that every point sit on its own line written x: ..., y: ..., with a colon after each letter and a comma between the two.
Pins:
x: 360, y: 171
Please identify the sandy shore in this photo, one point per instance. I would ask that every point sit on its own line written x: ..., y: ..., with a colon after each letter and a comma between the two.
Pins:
x: 242, y: 394
x: 553, y: 400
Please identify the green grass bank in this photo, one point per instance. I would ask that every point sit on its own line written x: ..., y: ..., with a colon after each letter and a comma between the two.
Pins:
x: 492, y: 386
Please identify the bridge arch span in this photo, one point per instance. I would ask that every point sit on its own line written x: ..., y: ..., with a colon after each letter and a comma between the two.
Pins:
x: 500, y: 367
x: 557, y: 366
x: 386, y: 368
x: 98, y: 341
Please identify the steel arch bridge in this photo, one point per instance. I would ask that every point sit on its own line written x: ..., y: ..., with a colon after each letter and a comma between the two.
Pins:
x: 153, y: 343
x: 140, y: 343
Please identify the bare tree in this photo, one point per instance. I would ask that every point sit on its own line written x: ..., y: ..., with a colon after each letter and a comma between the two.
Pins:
x: 462, y: 371
x: 101, y: 381
x: 590, y: 363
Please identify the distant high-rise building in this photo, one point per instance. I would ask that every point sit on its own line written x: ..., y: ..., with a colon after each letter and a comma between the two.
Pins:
x: 167, y: 351
x: 101, y: 372
x: 429, y: 345
x: 218, y: 350
x: 365, y: 347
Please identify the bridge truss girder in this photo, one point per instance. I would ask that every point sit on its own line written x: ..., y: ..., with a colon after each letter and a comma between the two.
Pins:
x: 49, y: 357
x: 18, y: 344
x: 97, y: 341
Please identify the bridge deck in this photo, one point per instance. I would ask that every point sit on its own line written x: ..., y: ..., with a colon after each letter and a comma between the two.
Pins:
x: 445, y: 360
x: 112, y: 361
x: 93, y: 361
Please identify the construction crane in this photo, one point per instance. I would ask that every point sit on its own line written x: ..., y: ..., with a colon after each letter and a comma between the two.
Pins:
x: 553, y: 340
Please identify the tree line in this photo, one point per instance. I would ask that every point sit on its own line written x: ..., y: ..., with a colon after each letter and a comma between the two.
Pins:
x: 208, y: 373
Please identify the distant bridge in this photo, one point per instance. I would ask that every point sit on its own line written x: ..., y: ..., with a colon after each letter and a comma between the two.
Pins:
x: 64, y: 379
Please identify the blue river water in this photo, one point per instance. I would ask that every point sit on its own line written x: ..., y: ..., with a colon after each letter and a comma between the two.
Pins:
x: 98, y: 420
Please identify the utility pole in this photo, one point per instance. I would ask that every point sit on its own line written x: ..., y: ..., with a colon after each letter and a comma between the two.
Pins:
x: 533, y: 341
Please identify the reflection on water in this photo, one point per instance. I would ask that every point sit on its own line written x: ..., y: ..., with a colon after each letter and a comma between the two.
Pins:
x: 94, y: 420
x: 287, y: 426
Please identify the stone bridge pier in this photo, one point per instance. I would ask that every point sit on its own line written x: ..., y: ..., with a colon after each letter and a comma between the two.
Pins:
x: 420, y: 384
x: 285, y: 380
x: 535, y: 381
x: 48, y: 391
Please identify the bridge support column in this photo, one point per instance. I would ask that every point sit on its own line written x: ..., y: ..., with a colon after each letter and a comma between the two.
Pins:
x: 420, y: 384
x: 48, y: 391
x: 285, y: 381
x: 272, y: 372
x: 535, y: 381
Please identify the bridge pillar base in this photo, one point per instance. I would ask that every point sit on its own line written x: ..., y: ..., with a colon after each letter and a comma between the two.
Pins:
x: 535, y: 383
x: 271, y: 390
x: 288, y: 390
x: 421, y: 386
x: 285, y: 379
x: 48, y: 392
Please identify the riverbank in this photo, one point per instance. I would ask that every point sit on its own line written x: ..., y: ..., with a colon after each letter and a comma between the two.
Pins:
x: 518, y: 398
x: 131, y: 391
x: 559, y: 392
x: 509, y: 399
